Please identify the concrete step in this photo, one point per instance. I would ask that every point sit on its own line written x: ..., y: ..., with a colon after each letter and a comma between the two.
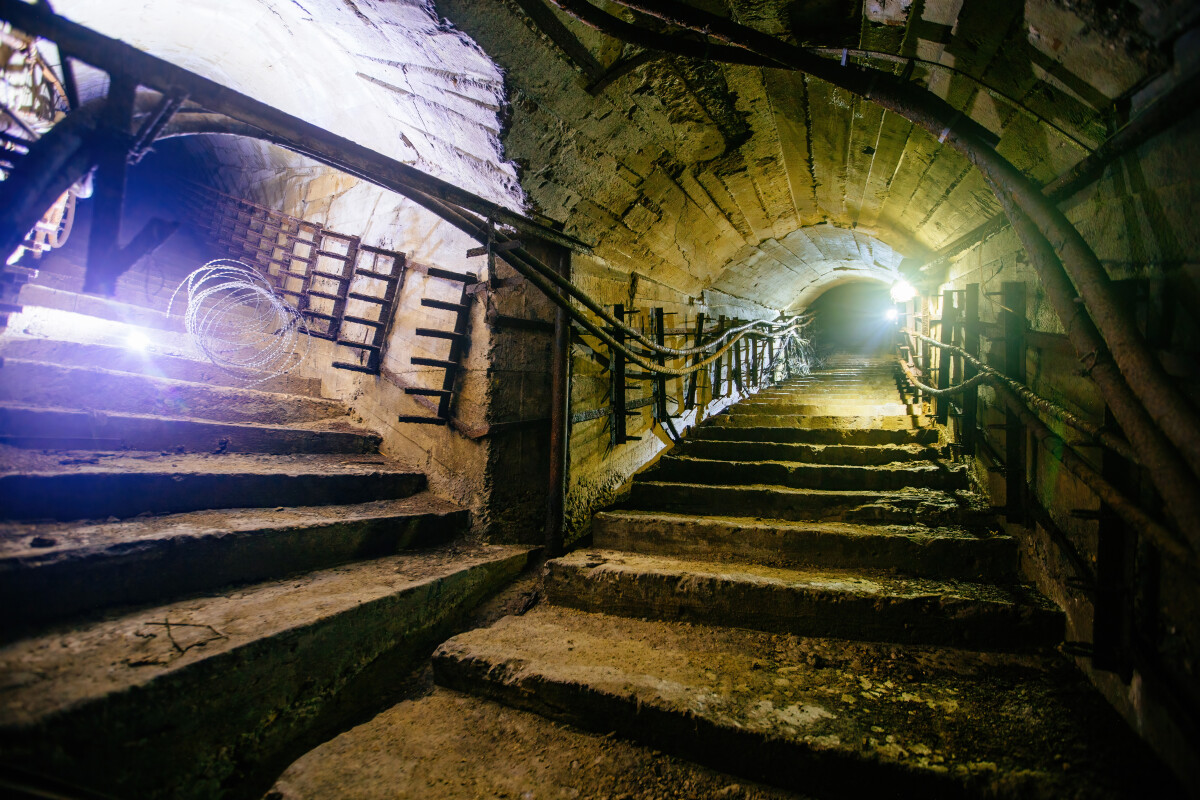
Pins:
x: 53, y: 570
x: 180, y: 700
x: 829, y: 718
x: 853, y: 393
x: 885, y: 477
x: 67, y: 429
x: 446, y: 744
x: 899, y: 507
x: 179, y: 364
x: 857, y: 437
x: 748, y: 418
x: 33, y: 383
x: 807, y: 453
x: 822, y: 408
x: 954, y: 553
x: 80, y: 485
x: 842, y: 603
x: 105, y: 308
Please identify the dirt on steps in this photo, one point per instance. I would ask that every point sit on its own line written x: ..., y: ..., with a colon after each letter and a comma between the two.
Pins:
x: 445, y: 745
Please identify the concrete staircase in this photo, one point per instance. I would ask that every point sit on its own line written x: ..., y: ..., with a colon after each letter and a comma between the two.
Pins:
x: 805, y: 593
x: 201, y: 579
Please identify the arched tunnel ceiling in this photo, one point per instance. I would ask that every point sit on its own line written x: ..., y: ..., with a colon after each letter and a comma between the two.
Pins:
x: 732, y: 177
x: 761, y: 184
x: 390, y: 76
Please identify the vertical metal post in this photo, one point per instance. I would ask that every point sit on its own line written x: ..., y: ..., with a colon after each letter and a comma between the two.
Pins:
x: 970, y: 400
x: 112, y: 165
x: 718, y: 383
x: 694, y: 378
x: 617, y: 372
x: 945, y: 360
x: 660, y: 380
x: 1013, y: 315
x: 924, y: 346
x: 735, y: 366
x: 560, y: 418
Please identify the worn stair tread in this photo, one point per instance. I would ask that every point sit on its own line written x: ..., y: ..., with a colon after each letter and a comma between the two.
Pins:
x: 866, y: 455
x: 827, y: 582
x: 720, y: 471
x: 162, y: 362
x: 834, y: 718
x: 100, y: 462
x: 934, y: 507
x: 64, y: 669
x: 793, y: 435
x: 69, y: 485
x: 43, y: 384
x: 949, y: 551
x: 119, y: 430
x: 811, y: 421
x: 447, y: 745
x: 73, y: 540
x: 869, y: 605
x: 51, y: 571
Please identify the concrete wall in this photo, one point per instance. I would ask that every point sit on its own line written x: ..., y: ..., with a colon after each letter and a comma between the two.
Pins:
x: 1138, y: 218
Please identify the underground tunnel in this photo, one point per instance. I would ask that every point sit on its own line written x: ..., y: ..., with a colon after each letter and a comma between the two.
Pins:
x: 564, y: 399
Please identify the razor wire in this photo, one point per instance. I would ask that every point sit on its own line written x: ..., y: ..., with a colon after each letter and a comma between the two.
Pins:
x: 237, y: 319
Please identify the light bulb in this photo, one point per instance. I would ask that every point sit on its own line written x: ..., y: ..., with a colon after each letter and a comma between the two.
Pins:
x: 891, y: 315
x: 903, y: 291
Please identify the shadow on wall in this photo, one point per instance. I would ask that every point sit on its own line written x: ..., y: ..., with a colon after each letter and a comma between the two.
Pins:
x: 853, y: 317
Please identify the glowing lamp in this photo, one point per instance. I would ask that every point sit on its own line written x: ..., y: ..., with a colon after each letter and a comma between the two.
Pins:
x: 891, y: 315
x: 903, y: 291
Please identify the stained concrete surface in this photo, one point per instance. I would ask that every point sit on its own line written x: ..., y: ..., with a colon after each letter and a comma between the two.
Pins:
x: 179, y: 700
x: 451, y: 746
x: 843, y: 718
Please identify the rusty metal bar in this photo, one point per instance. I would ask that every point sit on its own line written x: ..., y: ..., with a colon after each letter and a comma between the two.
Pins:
x: 560, y: 421
x: 945, y: 357
x: 1014, y: 368
x: 970, y: 398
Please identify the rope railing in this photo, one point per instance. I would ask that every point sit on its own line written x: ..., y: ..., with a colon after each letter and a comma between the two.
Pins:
x: 989, y: 374
x: 1020, y: 399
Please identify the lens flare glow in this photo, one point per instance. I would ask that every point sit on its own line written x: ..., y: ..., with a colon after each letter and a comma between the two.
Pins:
x: 137, y: 340
x: 891, y: 315
x: 903, y: 291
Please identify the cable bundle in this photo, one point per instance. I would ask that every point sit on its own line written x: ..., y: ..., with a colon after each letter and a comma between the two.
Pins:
x: 235, y: 317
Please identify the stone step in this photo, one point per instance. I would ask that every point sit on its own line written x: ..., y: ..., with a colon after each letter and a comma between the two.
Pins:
x: 178, y: 364
x: 808, y: 453
x: 752, y: 419
x: 822, y: 408
x: 842, y: 603
x: 33, y: 383
x: 38, y: 296
x: 67, y: 429
x: 900, y: 507
x: 832, y: 719
x: 954, y: 553
x: 851, y: 393
x: 446, y: 744
x: 181, y: 700
x: 80, y: 485
x: 887, y: 477
x: 53, y: 570
x: 823, y: 436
